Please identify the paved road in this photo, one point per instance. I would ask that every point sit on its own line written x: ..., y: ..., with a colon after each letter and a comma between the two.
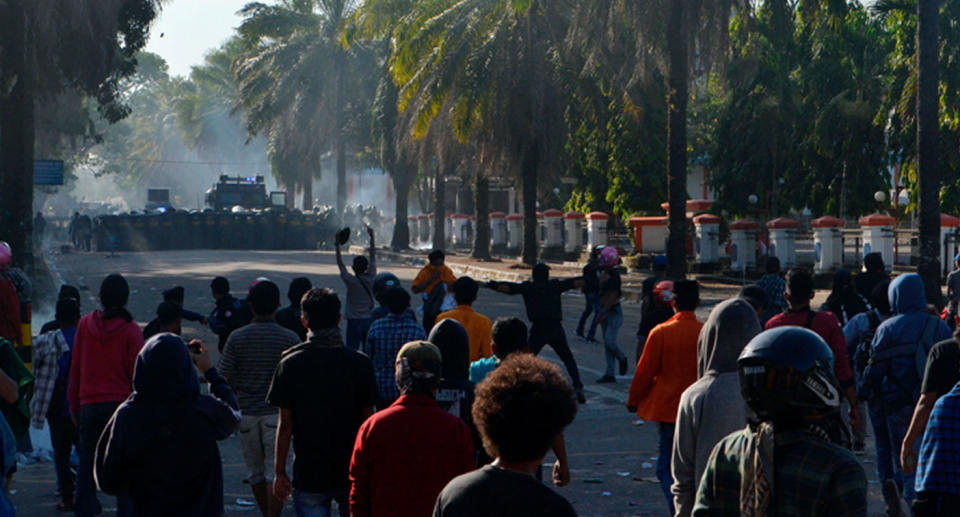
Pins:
x: 611, y: 454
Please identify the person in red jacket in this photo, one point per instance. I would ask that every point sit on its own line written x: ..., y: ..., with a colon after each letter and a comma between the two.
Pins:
x: 105, y: 351
x: 404, y: 455
x: 799, y: 292
x: 9, y: 303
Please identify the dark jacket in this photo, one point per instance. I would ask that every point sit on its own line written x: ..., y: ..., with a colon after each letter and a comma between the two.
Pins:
x: 289, y: 318
x: 892, y: 376
x: 542, y: 299
x: 160, y: 447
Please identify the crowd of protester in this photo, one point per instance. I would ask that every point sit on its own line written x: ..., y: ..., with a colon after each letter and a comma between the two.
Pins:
x: 450, y: 413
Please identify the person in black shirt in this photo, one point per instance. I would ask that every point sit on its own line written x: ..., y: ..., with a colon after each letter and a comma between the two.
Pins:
x: 289, y: 316
x: 591, y: 291
x: 545, y: 312
x: 652, y: 313
x: 941, y: 374
x: 66, y: 291
x: 874, y: 273
x: 229, y: 313
x: 520, y: 410
x: 324, y: 391
x: 169, y: 318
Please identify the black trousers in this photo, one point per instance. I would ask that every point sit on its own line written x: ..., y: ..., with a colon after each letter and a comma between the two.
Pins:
x: 63, y: 436
x: 551, y: 333
x: 935, y: 504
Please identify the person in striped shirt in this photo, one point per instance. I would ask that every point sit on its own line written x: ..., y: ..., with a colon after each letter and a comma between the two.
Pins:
x: 248, y: 362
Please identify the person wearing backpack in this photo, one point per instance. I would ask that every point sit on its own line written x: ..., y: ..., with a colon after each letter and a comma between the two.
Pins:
x: 893, y: 375
x: 859, y: 332
x: 229, y: 313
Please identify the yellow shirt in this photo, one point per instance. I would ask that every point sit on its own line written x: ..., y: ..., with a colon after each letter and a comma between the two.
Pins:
x: 446, y: 276
x: 478, y: 329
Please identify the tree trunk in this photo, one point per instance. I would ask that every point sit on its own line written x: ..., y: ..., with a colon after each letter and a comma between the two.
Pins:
x: 677, y: 141
x: 528, y: 174
x: 402, y: 181
x: 481, y: 201
x: 341, y: 144
x: 439, y: 211
x: 928, y: 104
x: 307, y: 201
x: 16, y: 148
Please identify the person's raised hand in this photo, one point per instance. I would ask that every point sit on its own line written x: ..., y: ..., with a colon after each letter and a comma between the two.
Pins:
x: 200, y: 355
x: 370, y: 231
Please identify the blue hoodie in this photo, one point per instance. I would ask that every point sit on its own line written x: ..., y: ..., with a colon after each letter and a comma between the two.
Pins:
x: 160, y: 446
x: 896, y: 380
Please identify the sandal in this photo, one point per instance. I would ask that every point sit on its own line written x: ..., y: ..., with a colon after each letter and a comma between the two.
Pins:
x: 65, y: 506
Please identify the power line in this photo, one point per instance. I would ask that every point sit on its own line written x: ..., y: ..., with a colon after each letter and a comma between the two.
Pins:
x: 185, y: 162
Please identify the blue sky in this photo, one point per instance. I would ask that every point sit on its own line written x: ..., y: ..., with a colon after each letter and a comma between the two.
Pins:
x: 191, y: 28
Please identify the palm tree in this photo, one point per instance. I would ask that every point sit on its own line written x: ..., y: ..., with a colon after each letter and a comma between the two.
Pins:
x: 695, y: 32
x: 294, y: 84
x: 490, y: 66
x: 928, y: 104
x: 105, y: 36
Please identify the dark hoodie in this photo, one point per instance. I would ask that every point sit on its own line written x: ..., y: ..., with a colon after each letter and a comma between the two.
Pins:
x: 456, y: 391
x: 896, y: 380
x: 844, y: 301
x: 712, y: 407
x: 160, y: 447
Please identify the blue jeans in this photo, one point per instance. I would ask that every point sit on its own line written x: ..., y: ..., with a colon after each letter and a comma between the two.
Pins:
x: 878, y: 421
x: 664, y: 456
x: 357, y: 332
x: 307, y: 504
x: 93, y: 419
x: 593, y: 306
x: 897, y: 423
x: 611, y: 327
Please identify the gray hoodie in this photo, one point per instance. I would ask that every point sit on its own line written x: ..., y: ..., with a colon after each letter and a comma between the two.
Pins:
x: 712, y: 407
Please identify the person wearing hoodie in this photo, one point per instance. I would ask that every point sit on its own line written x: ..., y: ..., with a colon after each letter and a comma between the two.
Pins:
x: 892, y: 379
x: 455, y: 393
x: 102, y: 362
x: 712, y: 407
x: 160, y: 447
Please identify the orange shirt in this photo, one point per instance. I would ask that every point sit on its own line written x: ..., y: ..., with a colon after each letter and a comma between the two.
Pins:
x: 478, y: 329
x: 446, y: 276
x: 667, y: 367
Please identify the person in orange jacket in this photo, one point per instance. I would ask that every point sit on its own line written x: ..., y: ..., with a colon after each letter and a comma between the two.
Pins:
x: 667, y: 366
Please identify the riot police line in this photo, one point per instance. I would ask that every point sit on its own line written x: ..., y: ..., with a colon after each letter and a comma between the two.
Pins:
x: 255, y: 230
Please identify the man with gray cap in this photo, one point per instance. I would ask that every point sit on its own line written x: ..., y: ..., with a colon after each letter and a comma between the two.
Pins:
x: 545, y: 312
x: 404, y: 455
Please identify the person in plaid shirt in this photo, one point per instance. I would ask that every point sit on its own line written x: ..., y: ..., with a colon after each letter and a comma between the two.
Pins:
x: 385, y: 338
x: 51, y: 365
x: 786, y: 461
x: 937, y: 483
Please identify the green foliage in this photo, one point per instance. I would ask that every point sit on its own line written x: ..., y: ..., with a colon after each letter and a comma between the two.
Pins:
x: 798, y: 125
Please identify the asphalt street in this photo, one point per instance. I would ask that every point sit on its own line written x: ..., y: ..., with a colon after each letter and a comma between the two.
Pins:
x: 612, y: 454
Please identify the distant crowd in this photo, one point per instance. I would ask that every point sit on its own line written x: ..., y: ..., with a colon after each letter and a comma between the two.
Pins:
x: 760, y: 410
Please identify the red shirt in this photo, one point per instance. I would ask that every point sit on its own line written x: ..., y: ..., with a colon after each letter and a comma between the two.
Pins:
x: 404, y: 456
x: 9, y: 311
x: 826, y: 325
x: 101, y: 365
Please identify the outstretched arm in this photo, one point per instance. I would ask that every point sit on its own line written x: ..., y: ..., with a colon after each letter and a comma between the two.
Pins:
x: 343, y: 268
x: 505, y: 287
